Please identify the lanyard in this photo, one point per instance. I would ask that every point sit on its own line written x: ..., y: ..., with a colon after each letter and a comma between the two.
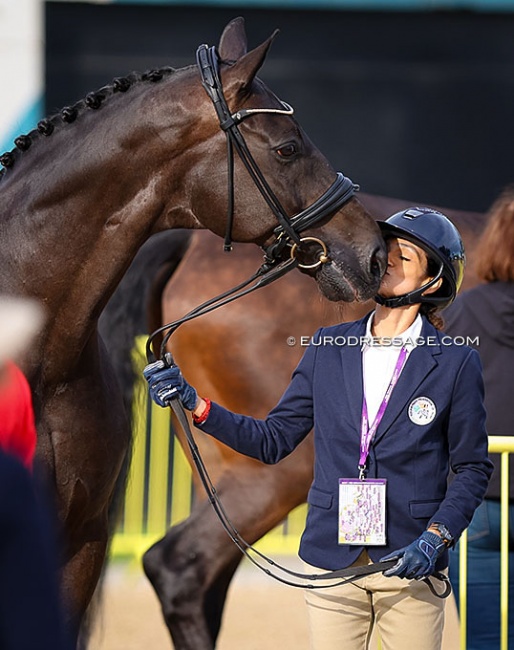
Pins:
x: 368, y: 432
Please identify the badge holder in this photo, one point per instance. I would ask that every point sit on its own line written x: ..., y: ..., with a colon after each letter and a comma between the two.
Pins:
x: 362, y: 512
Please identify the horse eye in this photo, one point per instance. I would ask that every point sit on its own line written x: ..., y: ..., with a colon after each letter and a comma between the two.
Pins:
x: 287, y: 150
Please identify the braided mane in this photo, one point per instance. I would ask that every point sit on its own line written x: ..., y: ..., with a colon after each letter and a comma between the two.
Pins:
x: 69, y: 114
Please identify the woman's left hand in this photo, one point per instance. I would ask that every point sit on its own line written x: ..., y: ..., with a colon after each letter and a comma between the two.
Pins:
x: 418, y: 559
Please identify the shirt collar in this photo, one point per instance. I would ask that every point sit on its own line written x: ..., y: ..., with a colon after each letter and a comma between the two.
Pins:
x: 407, y: 338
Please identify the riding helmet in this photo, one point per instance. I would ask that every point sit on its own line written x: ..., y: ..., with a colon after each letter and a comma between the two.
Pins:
x: 439, y: 238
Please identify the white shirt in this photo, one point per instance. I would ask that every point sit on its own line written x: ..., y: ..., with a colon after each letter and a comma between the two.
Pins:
x: 379, y: 361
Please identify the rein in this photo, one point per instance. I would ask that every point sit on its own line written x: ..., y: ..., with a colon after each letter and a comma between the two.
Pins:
x: 263, y: 276
x: 342, y: 576
x: 287, y: 234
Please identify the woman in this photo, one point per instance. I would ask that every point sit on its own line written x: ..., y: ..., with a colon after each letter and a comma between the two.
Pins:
x: 393, y: 409
x: 485, y: 314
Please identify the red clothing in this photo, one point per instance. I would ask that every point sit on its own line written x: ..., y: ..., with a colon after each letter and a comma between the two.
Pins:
x: 17, y: 426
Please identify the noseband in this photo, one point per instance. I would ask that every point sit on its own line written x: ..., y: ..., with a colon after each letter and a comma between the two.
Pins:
x: 287, y: 233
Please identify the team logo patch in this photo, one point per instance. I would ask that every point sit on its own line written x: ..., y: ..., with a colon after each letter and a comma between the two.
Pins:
x: 422, y: 410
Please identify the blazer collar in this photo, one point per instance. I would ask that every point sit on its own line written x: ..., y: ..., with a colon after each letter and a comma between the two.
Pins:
x: 352, y: 368
x: 420, y: 363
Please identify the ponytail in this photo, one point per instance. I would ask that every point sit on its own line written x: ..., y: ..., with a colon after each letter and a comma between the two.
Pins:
x: 431, y: 313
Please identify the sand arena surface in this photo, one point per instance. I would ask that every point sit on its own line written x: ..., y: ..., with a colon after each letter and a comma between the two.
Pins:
x: 260, y: 614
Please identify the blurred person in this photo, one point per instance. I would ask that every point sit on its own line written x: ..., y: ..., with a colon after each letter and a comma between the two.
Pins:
x: 392, y: 413
x: 20, y: 320
x: 485, y: 314
x: 30, y: 609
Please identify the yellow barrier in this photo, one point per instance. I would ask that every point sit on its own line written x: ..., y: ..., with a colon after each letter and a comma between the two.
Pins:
x: 503, y: 445
x: 160, y: 490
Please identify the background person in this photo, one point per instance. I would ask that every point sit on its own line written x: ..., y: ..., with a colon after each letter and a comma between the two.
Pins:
x: 386, y: 417
x: 20, y: 320
x: 30, y: 609
x: 486, y: 313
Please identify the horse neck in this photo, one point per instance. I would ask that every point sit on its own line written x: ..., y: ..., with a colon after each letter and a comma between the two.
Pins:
x: 79, y: 204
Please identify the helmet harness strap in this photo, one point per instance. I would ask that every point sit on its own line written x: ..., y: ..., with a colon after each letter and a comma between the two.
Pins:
x: 412, y: 297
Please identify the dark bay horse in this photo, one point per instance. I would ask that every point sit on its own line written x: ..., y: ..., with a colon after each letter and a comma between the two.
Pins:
x: 241, y: 355
x: 83, y: 192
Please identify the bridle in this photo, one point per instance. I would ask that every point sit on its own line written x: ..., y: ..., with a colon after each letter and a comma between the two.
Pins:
x: 287, y: 233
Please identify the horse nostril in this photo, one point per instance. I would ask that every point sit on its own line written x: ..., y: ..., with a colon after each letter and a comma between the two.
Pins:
x: 378, y: 262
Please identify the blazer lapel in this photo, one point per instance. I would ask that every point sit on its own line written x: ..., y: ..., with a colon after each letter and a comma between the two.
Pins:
x: 421, y: 361
x: 351, y: 357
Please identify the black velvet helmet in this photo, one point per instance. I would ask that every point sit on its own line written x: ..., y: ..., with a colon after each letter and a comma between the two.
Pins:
x: 439, y: 238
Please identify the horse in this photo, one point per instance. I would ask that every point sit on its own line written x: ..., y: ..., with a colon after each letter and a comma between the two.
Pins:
x: 84, y: 190
x: 242, y: 356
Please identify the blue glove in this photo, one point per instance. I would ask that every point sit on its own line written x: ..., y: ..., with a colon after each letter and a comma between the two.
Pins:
x: 418, y: 559
x: 166, y: 382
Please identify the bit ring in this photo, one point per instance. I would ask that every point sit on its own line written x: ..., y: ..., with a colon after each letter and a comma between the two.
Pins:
x: 322, y: 259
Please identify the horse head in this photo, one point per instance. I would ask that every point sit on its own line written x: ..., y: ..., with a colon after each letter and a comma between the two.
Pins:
x: 294, y: 172
x: 146, y: 153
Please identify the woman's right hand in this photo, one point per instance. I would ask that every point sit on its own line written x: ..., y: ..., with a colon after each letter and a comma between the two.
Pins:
x: 166, y: 383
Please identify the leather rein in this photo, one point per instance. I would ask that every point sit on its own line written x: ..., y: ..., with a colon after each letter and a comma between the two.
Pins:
x: 260, y: 560
x: 287, y: 233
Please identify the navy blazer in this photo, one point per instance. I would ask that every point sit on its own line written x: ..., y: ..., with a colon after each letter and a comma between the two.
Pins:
x: 326, y: 392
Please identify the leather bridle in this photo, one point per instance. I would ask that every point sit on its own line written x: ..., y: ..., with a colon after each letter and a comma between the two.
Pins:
x: 287, y: 233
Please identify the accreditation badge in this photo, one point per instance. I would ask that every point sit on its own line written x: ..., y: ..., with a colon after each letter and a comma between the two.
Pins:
x: 422, y: 411
x: 362, y: 511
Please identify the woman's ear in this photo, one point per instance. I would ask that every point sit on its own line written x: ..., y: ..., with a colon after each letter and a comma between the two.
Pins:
x: 434, y: 287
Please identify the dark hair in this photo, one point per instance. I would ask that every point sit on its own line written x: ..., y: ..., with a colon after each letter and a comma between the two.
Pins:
x: 494, y: 252
x: 431, y: 313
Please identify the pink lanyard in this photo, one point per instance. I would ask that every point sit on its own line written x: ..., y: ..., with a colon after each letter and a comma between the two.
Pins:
x: 367, y: 432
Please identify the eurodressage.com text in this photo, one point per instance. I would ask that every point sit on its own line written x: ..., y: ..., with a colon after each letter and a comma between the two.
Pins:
x: 385, y: 341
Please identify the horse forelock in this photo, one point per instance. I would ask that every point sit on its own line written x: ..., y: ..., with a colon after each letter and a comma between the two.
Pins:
x: 68, y: 114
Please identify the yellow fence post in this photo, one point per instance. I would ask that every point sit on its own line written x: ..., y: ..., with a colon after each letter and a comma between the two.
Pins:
x: 504, y: 445
x: 504, y: 552
x: 463, y: 589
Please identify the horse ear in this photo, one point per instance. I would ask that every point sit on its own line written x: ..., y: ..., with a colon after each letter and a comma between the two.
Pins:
x: 238, y: 77
x: 233, y: 43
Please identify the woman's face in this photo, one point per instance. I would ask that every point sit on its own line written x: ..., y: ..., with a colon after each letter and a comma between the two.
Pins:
x: 406, y: 268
